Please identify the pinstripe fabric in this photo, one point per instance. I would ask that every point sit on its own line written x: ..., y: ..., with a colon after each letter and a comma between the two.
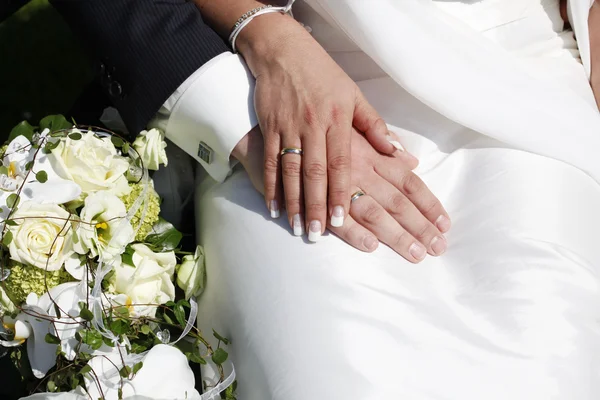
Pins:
x: 148, y: 48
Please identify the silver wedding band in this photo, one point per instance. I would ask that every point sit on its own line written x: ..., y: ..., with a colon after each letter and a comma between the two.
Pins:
x: 291, y: 150
x: 356, y: 195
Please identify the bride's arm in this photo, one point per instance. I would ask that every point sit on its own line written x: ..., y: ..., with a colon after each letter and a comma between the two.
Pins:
x: 594, y: 27
x: 594, y: 24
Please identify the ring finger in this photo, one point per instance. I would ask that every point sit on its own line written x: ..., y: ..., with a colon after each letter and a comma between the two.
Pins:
x: 291, y: 169
x: 372, y: 216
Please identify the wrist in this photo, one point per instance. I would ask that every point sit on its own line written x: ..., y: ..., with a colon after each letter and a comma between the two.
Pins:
x: 250, y: 145
x: 263, y: 40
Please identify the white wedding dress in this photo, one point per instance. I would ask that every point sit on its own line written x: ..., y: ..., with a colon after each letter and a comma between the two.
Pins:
x: 494, y: 100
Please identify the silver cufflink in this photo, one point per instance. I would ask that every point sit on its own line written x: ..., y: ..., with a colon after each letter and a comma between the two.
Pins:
x: 205, y: 152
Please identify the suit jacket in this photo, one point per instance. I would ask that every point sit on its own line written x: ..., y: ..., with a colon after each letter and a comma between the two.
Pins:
x: 145, y: 49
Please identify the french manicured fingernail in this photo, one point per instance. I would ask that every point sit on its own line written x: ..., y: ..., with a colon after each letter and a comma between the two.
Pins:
x: 395, y: 142
x: 314, y: 231
x: 370, y: 242
x: 417, y: 251
x: 298, y: 225
x: 337, y: 217
x: 443, y: 223
x: 438, y: 245
x: 274, y: 207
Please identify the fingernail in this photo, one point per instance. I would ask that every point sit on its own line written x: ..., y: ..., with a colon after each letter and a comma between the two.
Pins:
x: 417, y: 251
x: 370, y: 242
x: 395, y: 142
x: 443, y: 223
x: 337, y: 217
x: 438, y: 245
x: 298, y: 225
x: 314, y: 231
x: 274, y: 209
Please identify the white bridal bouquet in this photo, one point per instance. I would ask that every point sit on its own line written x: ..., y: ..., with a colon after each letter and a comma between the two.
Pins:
x: 89, y: 307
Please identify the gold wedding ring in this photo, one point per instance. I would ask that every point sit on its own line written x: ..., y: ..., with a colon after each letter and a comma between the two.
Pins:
x: 359, y: 193
x: 291, y: 150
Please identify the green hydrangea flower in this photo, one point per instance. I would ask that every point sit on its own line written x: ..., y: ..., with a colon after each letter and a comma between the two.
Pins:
x: 152, y: 210
x: 25, y: 279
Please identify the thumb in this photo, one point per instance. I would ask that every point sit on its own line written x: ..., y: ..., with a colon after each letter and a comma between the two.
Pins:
x: 368, y: 122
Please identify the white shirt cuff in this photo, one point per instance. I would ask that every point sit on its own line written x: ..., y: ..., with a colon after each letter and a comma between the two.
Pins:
x: 211, y: 112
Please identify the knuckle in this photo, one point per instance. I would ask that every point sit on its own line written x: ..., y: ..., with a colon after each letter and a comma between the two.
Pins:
x: 399, y: 204
x: 309, y: 115
x: 400, y: 240
x: 337, y: 114
x: 291, y: 169
x: 271, y: 164
x: 432, y: 207
x: 373, y: 215
x: 316, y: 208
x: 423, y: 232
x: 315, y: 171
x: 339, y: 163
x: 412, y: 184
x: 292, y: 204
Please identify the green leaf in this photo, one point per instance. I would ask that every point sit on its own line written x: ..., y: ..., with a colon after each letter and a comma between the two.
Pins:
x: 13, y: 200
x: 127, y: 256
x: 137, y: 367
x: 11, y: 222
x: 120, y: 327
x: 122, y: 311
x: 23, y: 129
x: 170, y: 303
x: 196, y: 358
x: 125, y: 148
x: 51, y: 339
x: 50, y: 145
x: 164, y: 236
x: 221, y: 338
x: 57, y: 311
x: 145, y: 329
x: 168, y: 319
x: 180, y: 314
x: 75, y: 136
x: 41, y: 176
x: 92, y: 338
x: 55, y: 123
x: 184, y: 303
x: 29, y: 165
x: 7, y: 238
x: 86, y: 370
x: 86, y: 314
x: 3, y: 170
x: 219, y: 356
x: 125, y: 371
x: 117, y: 141
x: 51, y: 386
x: 138, y: 348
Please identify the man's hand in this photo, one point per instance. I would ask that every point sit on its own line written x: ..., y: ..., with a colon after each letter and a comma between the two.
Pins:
x: 303, y: 99
x: 398, y: 210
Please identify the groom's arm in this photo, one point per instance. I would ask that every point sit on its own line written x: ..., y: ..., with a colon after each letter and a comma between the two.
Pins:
x: 158, y: 55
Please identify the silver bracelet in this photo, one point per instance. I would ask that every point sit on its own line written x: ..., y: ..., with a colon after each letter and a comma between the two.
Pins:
x: 245, y: 19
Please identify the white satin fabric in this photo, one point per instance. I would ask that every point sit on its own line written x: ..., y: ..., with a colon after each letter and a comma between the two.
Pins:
x: 492, y: 98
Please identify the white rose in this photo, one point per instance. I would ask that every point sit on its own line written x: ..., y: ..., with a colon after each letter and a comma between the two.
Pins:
x: 151, y: 147
x: 149, y: 282
x: 91, y: 162
x: 191, y: 274
x: 42, y: 237
x: 103, y: 229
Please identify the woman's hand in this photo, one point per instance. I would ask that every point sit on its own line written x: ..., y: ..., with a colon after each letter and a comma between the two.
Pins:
x: 303, y: 99
x: 398, y: 208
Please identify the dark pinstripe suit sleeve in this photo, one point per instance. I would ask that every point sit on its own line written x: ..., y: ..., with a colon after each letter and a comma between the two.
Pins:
x: 147, y: 48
